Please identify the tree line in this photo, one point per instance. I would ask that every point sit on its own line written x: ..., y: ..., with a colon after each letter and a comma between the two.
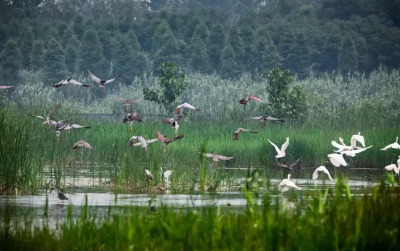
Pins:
x: 64, y: 38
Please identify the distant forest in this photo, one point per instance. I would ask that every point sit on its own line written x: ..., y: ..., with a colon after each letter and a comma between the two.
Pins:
x: 227, y: 37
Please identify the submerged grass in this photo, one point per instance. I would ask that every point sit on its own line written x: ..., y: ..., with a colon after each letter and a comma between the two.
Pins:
x: 319, y: 220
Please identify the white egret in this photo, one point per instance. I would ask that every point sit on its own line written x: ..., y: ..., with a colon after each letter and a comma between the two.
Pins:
x: 337, y: 159
x: 286, y: 184
x: 321, y: 169
x: 281, y: 152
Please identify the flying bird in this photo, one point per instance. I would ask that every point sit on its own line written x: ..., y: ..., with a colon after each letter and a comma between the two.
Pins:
x: 216, y: 157
x: 2, y: 87
x: 59, y: 126
x: 127, y: 103
x: 67, y: 81
x: 353, y: 153
x: 236, y: 134
x: 70, y: 126
x: 82, y: 143
x: 393, y: 167
x: 337, y: 159
x: 46, y: 119
x: 341, y: 147
x: 252, y: 97
x: 281, y: 152
x: 267, y: 118
x: 100, y: 82
x: 394, y: 145
x: 185, y: 104
x: 290, y: 166
x: 166, y: 141
x: 142, y: 141
x: 355, y: 138
x: 321, y: 169
x: 132, y: 117
x: 173, y: 123
x: 286, y: 184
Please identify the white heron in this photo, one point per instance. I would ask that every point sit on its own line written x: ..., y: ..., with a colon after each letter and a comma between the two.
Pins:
x: 321, y: 169
x: 286, y: 184
x: 281, y: 152
x: 394, y: 145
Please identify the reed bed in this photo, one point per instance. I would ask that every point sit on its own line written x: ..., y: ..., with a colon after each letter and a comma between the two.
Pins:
x: 318, y: 220
x: 338, y: 106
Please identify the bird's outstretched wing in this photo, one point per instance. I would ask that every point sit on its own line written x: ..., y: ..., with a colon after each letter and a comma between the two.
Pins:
x: 55, y: 109
x: 160, y: 137
x: 285, y: 145
x: 93, y: 77
x: 110, y: 80
x: 36, y: 116
x: 276, y: 147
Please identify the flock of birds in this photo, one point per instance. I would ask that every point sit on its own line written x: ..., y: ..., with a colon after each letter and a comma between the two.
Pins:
x: 336, y: 158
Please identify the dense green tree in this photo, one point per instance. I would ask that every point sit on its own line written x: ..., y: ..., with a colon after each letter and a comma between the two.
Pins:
x: 13, y: 28
x: 72, y: 55
x: 112, y: 27
x: 229, y: 67
x: 55, y: 68
x: 68, y: 33
x: 201, y: 32
x: 125, y: 60
x: 89, y: 23
x: 169, y: 52
x: 215, y: 45
x: 328, y: 59
x: 52, y: 32
x: 348, y: 57
x: 236, y: 43
x: 172, y: 83
x: 62, y: 26
x: 298, y: 59
x: 109, y: 44
x: 78, y: 27
x: 10, y: 62
x: 133, y: 40
x: 364, y: 60
x: 37, y: 56
x: 25, y: 45
x: 3, y: 36
x: 191, y: 27
x: 246, y: 33
x: 91, y: 53
x: 198, y: 58
x: 161, y: 31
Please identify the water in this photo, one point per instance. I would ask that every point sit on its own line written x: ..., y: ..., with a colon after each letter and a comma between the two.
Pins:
x: 102, y: 201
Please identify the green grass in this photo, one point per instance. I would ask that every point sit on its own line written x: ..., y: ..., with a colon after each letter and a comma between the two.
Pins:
x: 319, y: 220
x: 28, y: 148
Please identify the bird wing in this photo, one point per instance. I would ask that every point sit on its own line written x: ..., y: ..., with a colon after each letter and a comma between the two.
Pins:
x: 187, y: 105
x: 121, y: 99
x: 337, y: 159
x: 141, y: 139
x: 258, y: 118
x: 110, y: 80
x: 55, y: 109
x: 160, y: 137
x: 276, y: 147
x: 75, y: 82
x: 383, y: 149
x: 168, y: 121
x: 60, y: 83
x: 221, y: 157
x: 85, y: 144
x: 76, y: 126
x: 327, y: 172
x: 294, y: 163
x: 177, y: 111
x: 390, y: 167
x: 93, y: 77
x: 335, y: 144
x: 208, y: 155
x: 5, y: 86
x: 358, y: 138
x: 137, y: 117
x: 131, y: 101
x: 342, y: 141
x: 178, y: 137
x: 151, y: 141
x: 362, y: 149
x: 285, y: 145
x: 36, y: 116
x: 315, y: 173
x: 255, y: 98
x: 235, y: 135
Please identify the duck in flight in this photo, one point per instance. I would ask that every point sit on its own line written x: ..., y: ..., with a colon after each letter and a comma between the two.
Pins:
x: 174, y: 123
x: 82, y: 143
x: 102, y: 83
x: 46, y: 119
x: 236, y: 134
x: 252, y: 97
x: 267, y: 118
x: 164, y: 139
x: 126, y: 102
x: 184, y: 104
x: 67, y: 81
x: 142, y: 141
x: 132, y: 117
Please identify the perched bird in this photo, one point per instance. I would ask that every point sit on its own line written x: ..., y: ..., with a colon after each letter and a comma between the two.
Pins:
x: 267, y: 118
x: 321, y: 169
x: 281, y: 152
x: 102, y: 83
x: 67, y: 81
x: 172, y: 122
x: 337, y: 159
x: 290, y: 166
x: 236, y: 134
x: 132, y: 117
x: 149, y: 175
x: 252, y: 97
x: 394, y: 145
x: 82, y: 143
x: 185, y: 104
x: 46, y: 119
x: 60, y: 195
x: 216, y: 157
x: 142, y: 141
x: 355, y: 138
x: 2, y: 87
x: 166, y: 141
x: 286, y: 184
x: 127, y: 103
x: 353, y: 153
